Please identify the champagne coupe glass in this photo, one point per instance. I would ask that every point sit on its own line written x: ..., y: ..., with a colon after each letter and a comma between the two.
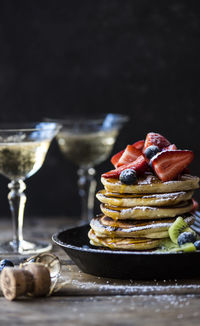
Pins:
x: 88, y: 141
x: 23, y: 148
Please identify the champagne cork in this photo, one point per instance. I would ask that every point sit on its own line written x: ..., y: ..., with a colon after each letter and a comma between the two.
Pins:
x: 41, y: 279
x: 33, y: 280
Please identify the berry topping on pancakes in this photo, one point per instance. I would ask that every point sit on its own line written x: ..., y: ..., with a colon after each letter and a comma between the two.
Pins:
x: 128, y: 177
x: 151, y: 151
x: 169, y: 164
x: 139, y: 144
x: 135, y: 148
x: 139, y: 166
x: 129, y: 155
x: 153, y: 138
x: 155, y: 154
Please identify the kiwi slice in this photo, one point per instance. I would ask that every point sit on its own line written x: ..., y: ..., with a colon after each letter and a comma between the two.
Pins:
x: 167, y: 245
x: 188, y: 247
x: 176, y: 228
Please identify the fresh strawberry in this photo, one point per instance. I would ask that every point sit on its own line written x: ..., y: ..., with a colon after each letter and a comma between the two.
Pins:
x: 195, y: 205
x: 115, y: 158
x: 130, y: 154
x: 169, y: 164
x: 171, y: 147
x: 139, y: 144
x: 139, y: 165
x: 155, y: 139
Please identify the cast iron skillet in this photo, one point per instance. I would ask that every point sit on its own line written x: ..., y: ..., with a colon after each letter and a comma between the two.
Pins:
x: 125, y: 264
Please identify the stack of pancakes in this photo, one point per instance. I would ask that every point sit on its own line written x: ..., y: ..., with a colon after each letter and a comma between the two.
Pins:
x: 137, y: 217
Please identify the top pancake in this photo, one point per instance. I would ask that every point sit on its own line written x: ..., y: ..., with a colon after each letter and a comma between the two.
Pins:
x: 149, y: 183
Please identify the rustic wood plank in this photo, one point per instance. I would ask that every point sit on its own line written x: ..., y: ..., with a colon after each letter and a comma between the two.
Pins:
x: 98, y: 311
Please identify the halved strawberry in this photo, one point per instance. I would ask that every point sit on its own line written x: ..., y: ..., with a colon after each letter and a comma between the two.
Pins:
x: 139, y: 144
x: 130, y: 154
x: 153, y: 138
x: 168, y: 164
x: 171, y: 147
x: 115, y: 158
x: 139, y: 165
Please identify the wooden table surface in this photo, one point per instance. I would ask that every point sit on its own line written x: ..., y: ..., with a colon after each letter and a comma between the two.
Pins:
x: 88, y: 300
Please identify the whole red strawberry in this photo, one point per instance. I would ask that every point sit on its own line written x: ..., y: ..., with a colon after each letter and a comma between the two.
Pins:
x: 155, y: 139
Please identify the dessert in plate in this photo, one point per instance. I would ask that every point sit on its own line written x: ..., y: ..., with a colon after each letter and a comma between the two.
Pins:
x: 147, y: 202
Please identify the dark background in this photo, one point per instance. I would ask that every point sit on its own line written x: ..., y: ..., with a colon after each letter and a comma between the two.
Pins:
x: 136, y: 57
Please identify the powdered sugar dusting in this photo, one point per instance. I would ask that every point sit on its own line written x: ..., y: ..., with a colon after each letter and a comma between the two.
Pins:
x: 149, y: 179
x: 167, y: 195
x: 129, y: 211
x: 107, y: 286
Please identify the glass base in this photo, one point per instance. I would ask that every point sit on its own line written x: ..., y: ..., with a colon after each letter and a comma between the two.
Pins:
x: 24, y: 248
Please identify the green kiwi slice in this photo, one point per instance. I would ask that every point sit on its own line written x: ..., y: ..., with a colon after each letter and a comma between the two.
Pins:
x: 176, y: 228
x: 169, y: 246
x: 188, y: 247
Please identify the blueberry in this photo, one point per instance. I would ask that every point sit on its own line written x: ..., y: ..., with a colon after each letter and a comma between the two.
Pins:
x: 128, y: 177
x: 151, y: 151
x: 197, y: 244
x: 5, y: 263
x: 186, y: 237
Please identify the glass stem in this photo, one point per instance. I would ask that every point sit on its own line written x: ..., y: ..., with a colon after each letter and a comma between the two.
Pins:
x: 87, y: 186
x: 17, y: 200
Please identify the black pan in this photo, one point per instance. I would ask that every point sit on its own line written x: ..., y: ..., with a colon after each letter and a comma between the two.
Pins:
x: 125, y: 264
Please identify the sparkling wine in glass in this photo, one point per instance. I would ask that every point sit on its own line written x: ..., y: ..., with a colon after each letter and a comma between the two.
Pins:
x: 23, y: 149
x: 88, y: 141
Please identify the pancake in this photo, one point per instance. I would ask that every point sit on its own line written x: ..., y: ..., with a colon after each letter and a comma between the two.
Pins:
x: 146, y: 212
x: 104, y: 226
x: 137, y: 216
x: 130, y: 200
x: 123, y: 243
x: 151, y: 184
